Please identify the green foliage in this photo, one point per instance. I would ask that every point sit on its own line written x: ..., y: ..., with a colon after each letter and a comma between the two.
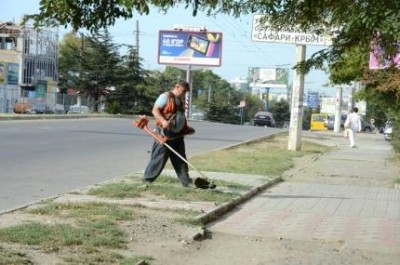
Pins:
x: 350, y: 66
x: 13, y: 258
x: 86, y: 211
x: 166, y: 187
x: 269, y: 158
x: 281, y: 111
x: 307, y: 118
x: 395, y: 140
x: 69, y: 62
x: 53, y: 237
x: 223, y: 113
x: 356, y: 23
x: 128, y: 97
x: 99, y: 63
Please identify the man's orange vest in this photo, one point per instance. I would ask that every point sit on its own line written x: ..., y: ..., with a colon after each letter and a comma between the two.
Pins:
x: 169, y: 111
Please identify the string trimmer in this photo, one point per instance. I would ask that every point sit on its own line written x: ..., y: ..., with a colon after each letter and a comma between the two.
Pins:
x: 201, y: 183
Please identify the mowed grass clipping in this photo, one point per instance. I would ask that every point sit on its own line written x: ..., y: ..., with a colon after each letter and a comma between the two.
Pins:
x: 91, y: 232
x: 11, y: 257
x: 165, y: 187
x: 52, y: 237
x: 269, y: 157
x: 87, y: 211
x: 93, y: 225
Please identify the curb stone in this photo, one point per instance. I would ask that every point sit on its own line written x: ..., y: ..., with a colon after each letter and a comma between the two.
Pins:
x: 224, y: 208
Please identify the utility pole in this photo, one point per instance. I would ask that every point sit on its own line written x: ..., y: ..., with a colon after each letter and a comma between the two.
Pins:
x: 338, y: 110
x: 136, y: 33
x: 296, y: 114
x: 188, y: 99
x: 350, y: 103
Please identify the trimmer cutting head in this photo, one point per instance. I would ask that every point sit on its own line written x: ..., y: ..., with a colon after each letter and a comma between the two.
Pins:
x: 203, y: 183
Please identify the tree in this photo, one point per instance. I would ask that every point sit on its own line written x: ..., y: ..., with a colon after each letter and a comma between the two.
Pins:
x: 356, y: 23
x: 68, y: 62
x: 222, y: 113
x: 99, y: 64
x: 281, y: 111
x: 127, y: 97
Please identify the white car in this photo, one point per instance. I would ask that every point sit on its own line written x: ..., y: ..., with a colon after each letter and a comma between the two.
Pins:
x: 78, y: 109
x: 387, y: 133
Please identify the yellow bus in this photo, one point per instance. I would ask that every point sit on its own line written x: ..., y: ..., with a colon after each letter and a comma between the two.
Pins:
x: 318, y: 121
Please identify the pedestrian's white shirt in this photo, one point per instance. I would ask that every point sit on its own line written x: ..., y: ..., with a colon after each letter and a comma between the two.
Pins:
x: 355, y: 121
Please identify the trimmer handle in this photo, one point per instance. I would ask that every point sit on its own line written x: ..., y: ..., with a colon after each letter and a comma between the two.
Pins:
x: 142, y: 122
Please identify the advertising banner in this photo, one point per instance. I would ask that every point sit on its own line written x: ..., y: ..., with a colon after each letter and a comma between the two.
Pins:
x: 269, y: 77
x: 12, y: 73
x: 378, y: 60
x: 190, y: 48
x: 41, y: 88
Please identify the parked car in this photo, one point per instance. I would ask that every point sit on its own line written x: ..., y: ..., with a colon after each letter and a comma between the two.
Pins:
x: 318, y: 121
x: 78, y: 109
x: 388, y: 130
x: 366, y: 126
x: 264, y: 118
x: 331, y: 121
x: 22, y: 107
x: 387, y: 133
x: 40, y: 108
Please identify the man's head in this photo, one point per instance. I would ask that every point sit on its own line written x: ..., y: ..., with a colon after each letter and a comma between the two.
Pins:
x: 181, y: 87
x: 355, y: 109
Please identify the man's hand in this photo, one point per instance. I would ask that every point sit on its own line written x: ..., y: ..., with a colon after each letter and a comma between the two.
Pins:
x: 165, y: 124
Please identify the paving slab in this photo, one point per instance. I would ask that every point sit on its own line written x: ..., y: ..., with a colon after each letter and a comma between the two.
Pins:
x: 346, y: 195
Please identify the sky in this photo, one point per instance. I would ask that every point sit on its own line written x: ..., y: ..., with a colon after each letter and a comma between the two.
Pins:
x: 239, y: 52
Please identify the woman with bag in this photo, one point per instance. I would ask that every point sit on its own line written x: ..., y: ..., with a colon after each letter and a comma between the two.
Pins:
x: 353, y: 125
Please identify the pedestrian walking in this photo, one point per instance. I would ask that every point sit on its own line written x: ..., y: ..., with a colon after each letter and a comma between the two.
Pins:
x: 169, y: 113
x: 353, y: 126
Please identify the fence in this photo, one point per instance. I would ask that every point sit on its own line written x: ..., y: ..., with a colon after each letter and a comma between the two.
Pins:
x: 57, y: 103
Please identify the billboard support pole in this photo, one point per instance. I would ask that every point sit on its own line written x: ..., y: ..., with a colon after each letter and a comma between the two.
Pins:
x: 338, y: 110
x: 296, y: 113
x: 188, y: 99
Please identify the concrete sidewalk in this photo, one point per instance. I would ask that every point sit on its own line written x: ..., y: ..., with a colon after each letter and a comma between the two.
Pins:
x: 345, y: 195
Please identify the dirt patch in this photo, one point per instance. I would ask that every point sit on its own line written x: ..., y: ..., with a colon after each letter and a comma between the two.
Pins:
x: 159, y: 238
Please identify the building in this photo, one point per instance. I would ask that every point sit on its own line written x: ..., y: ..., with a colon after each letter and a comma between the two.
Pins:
x: 28, y: 66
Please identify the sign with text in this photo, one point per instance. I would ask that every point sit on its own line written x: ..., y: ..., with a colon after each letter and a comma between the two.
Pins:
x: 190, y: 48
x: 313, y: 99
x: 262, y: 31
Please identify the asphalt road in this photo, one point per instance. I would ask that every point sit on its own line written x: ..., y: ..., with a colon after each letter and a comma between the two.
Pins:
x: 44, y: 158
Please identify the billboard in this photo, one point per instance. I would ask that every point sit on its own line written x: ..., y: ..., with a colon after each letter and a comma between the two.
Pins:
x: 269, y: 77
x: 190, y: 48
x: 378, y: 60
x: 262, y: 31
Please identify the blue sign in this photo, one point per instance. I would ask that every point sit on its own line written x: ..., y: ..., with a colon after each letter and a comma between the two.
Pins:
x: 313, y: 99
